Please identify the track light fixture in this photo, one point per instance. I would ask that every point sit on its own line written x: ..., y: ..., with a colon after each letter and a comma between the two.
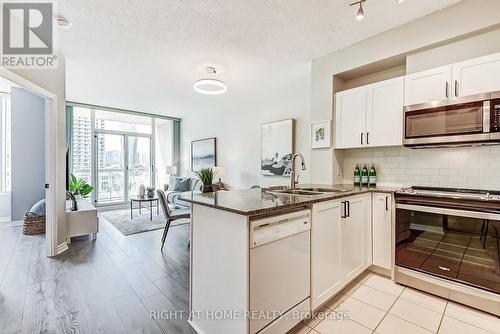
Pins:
x: 361, y: 13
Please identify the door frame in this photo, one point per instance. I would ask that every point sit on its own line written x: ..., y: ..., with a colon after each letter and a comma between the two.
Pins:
x: 126, y: 135
x: 51, y: 136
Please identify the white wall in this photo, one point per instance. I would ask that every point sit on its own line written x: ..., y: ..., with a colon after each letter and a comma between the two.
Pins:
x: 4, y: 206
x: 237, y: 128
x: 28, y: 151
x: 414, y: 38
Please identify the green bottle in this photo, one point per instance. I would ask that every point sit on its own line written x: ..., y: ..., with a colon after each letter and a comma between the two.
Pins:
x: 357, y: 176
x: 364, y: 176
x: 372, y: 177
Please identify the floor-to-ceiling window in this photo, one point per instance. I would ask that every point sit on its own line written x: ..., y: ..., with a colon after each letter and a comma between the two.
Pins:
x: 117, y: 151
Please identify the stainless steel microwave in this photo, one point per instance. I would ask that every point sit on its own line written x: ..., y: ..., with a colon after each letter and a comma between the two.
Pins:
x: 463, y: 121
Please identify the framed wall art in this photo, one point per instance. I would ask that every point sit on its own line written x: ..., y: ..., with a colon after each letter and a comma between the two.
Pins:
x: 203, y: 154
x: 321, y: 136
x: 277, y: 147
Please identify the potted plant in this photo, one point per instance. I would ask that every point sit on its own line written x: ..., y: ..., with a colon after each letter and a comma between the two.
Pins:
x: 206, y: 176
x: 150, y: 192
x: 79, y: 188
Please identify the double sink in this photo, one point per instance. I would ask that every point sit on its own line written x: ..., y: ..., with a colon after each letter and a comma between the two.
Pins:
x: 308, y: 192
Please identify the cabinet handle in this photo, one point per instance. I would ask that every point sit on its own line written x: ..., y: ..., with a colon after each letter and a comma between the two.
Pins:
x: 456, y: 88
x: 386, y: 203
x: 362, y: 138
x: 368, y: 138
x: 342, y: 212
x: 447, y: 89
x: 348, y: 209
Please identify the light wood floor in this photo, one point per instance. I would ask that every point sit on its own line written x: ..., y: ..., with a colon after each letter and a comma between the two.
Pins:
x: 106, y: 286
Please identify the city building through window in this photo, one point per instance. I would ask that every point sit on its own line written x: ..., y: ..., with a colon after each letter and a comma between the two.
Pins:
x: 118, y: 151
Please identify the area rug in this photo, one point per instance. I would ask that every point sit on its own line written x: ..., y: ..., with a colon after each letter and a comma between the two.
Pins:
x: 140, y: 222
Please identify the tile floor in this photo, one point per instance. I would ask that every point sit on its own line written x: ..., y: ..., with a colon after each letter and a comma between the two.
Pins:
x: 375, y: 304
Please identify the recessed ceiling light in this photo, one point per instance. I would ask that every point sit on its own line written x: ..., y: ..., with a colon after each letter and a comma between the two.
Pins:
x: 63, y: 22
x: 361, y: 12
x: 210, y: 86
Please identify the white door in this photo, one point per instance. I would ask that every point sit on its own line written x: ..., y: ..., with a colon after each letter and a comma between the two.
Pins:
x: 477, y: 76
x: 384, y: 116
x: 326, y: 277
x: 382, y: 231
x: 350, y: 118
x: 428, y: 86
x: 353, y: 238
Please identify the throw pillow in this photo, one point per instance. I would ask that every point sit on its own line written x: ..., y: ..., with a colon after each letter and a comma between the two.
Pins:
x: 182, y: 184
x: 38, y: 208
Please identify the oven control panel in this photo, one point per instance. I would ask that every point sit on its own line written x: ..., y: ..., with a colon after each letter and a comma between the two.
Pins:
x: 495, y: 116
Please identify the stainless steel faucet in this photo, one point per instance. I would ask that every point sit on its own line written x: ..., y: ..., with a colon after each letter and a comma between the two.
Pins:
x: 294, y: 181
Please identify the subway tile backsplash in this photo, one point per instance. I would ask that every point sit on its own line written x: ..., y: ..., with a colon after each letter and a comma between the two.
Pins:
x: 475, y: 167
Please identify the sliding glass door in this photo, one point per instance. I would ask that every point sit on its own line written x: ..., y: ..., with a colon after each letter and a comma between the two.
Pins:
x: 110, y: 173
x: 123, y: 164
x: 139, y: 165
x: 117, y: 151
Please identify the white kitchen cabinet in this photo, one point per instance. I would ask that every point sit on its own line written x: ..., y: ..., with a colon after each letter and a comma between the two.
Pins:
x: 384, y: 116
x: 326, y: 277
x: 350, y: 118
x: 382, y: 230
x: 470, y: 77
x: 476, y: 76
x: 340, y: 245
x: 356, y: 241
x: 370, y: 115
x: 427, y: 86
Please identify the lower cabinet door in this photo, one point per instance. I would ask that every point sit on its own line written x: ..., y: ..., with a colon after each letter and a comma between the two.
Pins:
x: 382, y: 230
x: 326, y: 278
x: 356, y: 237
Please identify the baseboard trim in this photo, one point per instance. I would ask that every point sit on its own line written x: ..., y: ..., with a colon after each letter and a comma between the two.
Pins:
x: 379, y: 270
x: 61, y: 248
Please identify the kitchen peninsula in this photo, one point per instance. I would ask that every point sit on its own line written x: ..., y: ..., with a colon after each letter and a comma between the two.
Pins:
x: 246, y: 244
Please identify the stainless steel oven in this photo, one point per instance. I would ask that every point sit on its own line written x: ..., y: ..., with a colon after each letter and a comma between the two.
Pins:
x: 452, y: 236
x: 474, y: 119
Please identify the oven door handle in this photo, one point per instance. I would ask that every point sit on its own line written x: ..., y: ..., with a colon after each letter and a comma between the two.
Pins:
x: 446, y: 211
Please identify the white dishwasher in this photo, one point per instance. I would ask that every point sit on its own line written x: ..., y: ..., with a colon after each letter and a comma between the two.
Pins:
x: 280, y: 248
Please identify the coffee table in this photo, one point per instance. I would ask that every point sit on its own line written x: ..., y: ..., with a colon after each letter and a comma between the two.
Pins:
x: 140, y: 201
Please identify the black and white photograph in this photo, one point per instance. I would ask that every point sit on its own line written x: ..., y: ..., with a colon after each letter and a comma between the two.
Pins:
x: 203, y: 154
x: 277, y: 147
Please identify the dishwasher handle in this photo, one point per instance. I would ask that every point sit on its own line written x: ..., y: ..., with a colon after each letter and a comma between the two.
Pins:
x: 279, y: 227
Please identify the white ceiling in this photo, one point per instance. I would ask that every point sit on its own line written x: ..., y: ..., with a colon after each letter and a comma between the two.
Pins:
x: 145, y: 55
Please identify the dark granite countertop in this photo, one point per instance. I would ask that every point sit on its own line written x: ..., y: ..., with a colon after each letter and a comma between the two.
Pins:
x: 253, y: 202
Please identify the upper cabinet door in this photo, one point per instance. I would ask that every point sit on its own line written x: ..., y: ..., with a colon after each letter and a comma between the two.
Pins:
x: 384, y: 117
x: 477, y: 76
x: 350, y: 118
x: 428, y: 86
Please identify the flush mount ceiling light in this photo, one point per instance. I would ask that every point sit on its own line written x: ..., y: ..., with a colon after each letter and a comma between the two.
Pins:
x: 63, y: 22
x: 361, y: 13
x: 210, y: 86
